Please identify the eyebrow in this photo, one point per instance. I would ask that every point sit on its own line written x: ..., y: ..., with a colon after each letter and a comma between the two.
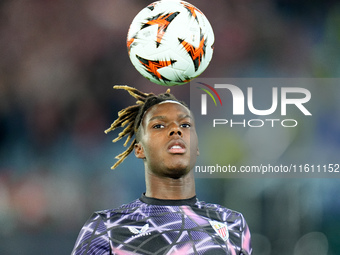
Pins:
x: 161, y: 117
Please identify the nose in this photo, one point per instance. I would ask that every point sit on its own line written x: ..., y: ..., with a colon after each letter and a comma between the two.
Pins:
x: 175, y: 130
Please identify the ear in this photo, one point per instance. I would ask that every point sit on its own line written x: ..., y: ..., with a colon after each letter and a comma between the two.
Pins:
x: 139, y: 151
x: 198, y: 152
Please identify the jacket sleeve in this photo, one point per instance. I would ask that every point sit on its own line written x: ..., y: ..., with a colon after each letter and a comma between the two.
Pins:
x: 93, y: 238
x: 246, y: 248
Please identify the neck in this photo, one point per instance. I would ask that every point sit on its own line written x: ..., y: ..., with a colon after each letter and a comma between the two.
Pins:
x: 169, y: 188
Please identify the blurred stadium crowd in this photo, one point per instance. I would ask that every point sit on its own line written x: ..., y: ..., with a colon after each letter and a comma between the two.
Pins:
x: 59, y: 61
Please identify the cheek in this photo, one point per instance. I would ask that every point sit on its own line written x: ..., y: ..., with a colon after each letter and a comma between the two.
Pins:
x: 193, y: 141
x: 150, y: 147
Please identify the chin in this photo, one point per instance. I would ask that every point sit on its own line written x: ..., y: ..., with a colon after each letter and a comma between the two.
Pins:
x: 177, y: 172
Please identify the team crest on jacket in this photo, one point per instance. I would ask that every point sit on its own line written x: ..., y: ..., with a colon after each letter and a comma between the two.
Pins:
x: 220, y: 228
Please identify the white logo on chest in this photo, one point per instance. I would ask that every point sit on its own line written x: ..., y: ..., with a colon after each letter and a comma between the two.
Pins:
x: 140, y: 232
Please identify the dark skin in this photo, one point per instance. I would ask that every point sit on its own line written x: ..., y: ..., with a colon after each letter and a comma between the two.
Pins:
x: 168, y: 145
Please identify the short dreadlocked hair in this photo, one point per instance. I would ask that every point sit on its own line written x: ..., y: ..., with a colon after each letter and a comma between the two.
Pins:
x: 132, y: 116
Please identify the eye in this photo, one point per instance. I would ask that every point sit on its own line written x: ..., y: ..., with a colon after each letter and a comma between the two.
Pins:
x: 186, y: 125
x: 158, y: 126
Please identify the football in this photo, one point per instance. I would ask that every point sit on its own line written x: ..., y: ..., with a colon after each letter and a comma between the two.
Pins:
x: 170, y: 42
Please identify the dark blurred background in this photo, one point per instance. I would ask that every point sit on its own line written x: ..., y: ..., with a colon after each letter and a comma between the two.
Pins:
x: 59, y: 61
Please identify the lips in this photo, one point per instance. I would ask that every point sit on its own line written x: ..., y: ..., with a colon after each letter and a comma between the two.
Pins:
x: 177, y: 147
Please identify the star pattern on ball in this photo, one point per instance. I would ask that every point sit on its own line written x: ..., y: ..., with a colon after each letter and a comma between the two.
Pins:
x: 129, y: 43
x: 196, y: 54
x: 152, y: 6
x: 152, y: 66
x: 192, y: 9
x: 162, y: 21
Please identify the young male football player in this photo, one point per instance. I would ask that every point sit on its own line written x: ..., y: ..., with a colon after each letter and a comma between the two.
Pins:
x: 167, y: 218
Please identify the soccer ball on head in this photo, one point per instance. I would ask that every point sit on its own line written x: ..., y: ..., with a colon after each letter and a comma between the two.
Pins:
x: 170, y: 42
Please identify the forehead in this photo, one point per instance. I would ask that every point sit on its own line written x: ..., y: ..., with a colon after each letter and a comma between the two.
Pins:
x: 167, y: 110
